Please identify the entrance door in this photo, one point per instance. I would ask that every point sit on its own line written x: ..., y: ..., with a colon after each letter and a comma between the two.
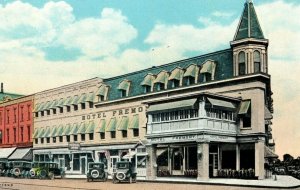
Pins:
x: 213, y: 164
x: 61, y: 163
x: 177, y: 161
x: 113, y: 160
x: 83, y: 164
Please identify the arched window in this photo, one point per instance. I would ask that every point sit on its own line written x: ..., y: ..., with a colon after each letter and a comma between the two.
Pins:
x: 256, y: 57
x: 242, y: 63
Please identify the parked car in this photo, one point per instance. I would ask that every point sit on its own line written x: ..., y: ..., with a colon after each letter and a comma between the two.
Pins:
x: 96, y: 171
x: 3, y: 168
x: 124, y: 172
x: 50, y: 170
x: 9, y: 169
x: 21, y: 168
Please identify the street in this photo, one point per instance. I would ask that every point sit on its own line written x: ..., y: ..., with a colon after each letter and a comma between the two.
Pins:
x: 29, y: 184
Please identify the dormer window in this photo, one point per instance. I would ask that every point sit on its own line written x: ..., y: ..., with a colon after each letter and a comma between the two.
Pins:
x: 124, y: 88
x: 208, y: 70
x: 161, y: 81
x: 160, y: 86
x: 176, y: 77
x: 242, y: 63
x: 148, y: 82
x: 191, y: 74
x: 256, y: 58
x: 102, y: 93
x: 175, y: 83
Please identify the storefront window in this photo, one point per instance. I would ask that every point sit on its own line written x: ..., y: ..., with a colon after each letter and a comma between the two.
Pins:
x: 141, y: 161
x: 76, y: 162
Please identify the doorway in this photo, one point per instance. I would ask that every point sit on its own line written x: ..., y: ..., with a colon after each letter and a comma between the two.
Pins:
x: 83, y: 164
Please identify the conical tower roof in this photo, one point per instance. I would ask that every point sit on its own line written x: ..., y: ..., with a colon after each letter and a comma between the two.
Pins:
x: 248, y: 26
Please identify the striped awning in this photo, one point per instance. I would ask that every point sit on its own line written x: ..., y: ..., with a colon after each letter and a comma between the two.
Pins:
x: 47, y: 132
x: 221, y: 103
x: 123, y: 124
x: 90, y: 97
x: 82, y: 128
x: 134, y: 124
x: 112, y: 125
x: 47, y: 105
x: 162, y: 77
x: 176, y: 74
x: 75, y: 100
x: 74, y: 129
x: 148, y: 80
x: 67, y: 130
x: 41, y: 106
x: 21, y: 154
x: 191, y: 71
x: 53, y: 131
x: 68, y: 101
x: 36, y: 107
x: 183, y: 104
x: 208, y: 67
x: 90, y: 127
x: 61, y: 102
x: 60, y: 130
x: 101, y: 126
x: 124, y: 85
x: 36, y: 132
x: 102, y: 91
x: 41, y: 133
x: 53, y: 104
x: 244, y: 107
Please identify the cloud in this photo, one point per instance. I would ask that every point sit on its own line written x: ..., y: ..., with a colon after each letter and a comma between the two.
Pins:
x: 222, y: 14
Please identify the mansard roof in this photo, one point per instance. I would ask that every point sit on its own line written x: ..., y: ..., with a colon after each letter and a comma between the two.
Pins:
x: 249, y: 26
x: 224, y: 70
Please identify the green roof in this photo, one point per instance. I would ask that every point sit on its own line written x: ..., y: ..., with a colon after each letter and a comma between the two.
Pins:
x: 249, y: 26
x: 5, y: 95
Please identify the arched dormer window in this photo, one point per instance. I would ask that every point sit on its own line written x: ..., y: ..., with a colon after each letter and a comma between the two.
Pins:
x: 124, y: 87
x: 208, y: 70
x: 176, y: 77
x: 102, y: 93
x: 147, y: 83
x: 191, y: 74
x: 161, y: 81
x: 242, y: 63
x: 257, y: 64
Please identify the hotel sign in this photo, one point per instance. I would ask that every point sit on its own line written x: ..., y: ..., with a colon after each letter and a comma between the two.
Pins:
x: 74, y: 146
x: 113, y: 113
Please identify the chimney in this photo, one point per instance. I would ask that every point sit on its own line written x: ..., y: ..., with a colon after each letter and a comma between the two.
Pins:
x: 2, y: 87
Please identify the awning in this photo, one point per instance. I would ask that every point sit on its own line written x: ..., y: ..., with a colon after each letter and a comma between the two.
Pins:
x: 74, y: 129
x: 221, y: 103
x: 61, y: 103
x: 41, y: 106
x: 53, y: 104
x: 41, y: 133
x: 110, y: 147
x: 90, y: 97
x: 47, y: 132
x: 191, y: 71
x: 67, y: 130
x: 268, y: 114
x: 159, y: 152
x: 102, y: 91
x: 123, y: 124
x: 21, y: 154
x: 82, y: 98
x: 176, y: 74
x: 208, y: 67
x: 82, y: 128
x: 68, y: 101
x: 101, y: 126
x: 129, y: 155
x: 75, y: 100
x: 6, y: 152
x: 148, y: 80
x: 36, y: 107
x: 60, y: 130
x: 53, y: 131
x: 134, y: 124
x: 36, y: 132
x: 91, y: 127
x: 112, y: 125
x: 269, y: 153
x: 189, y: 103
x: 245, y: 105
x: 124, y: 85
x: 162, y: 77
x: 47, y: 105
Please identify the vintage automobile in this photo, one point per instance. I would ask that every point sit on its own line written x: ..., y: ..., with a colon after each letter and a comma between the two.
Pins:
x: 96, y: 171
x: 9, y: 170
x: 21, y: 168
x: 46, y: 170
x: 3, y: 168
x: 124, y: 172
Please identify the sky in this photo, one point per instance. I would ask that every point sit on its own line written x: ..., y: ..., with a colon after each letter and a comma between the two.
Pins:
x: 46, y: 44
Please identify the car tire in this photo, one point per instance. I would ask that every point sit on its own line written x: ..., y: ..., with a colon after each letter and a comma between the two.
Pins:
x: 43, y: 174
x: 95, y: 174
x: 32, y: 173
x: 16, y: 172
x: 120, y: 176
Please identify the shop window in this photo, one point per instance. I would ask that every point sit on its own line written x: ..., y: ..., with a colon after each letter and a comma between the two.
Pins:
x: 61, y: 110
x: 124, y: 134
x: 147, y: 88
x: 113, y: 134
x: 36, y: 114
x: 190, y: 80
x: 48, y: 112
x: 175, y: 83
x: 256, y: 58
x: 91, y: 104
x: 242, y: 63
x: 48, y: 140
x: 54, y: 139
x: 82, y: 106
x: 36, y: 141
x: 82, y: 137
x: 68, y: 108
x: 42, y: 140
x: 102, y: 135
x: 68, y: 138
x: 135, y: 132
x: 60, y: 139
x: 75, y: 138
x: 54, y: 111
x: 76, y: 162
x: 91, y: 136
x: 75, y: 107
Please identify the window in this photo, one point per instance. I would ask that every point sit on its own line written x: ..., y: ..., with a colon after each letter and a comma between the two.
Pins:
x: 220, y: 114
x: 36, y: 114
x: 257, y: 65
x: 91, y: 136
x: 75, y: 107
x: 82, y: 106
x: 175, y: 115
x: 68, y: 108
x: 147, y: 88
x: 75, y: 138
x: 42, y: 113
x: 123, y: 93
x: 160, y: 86
x: 61, y: 139
x: 124, y: 134
x: 48, y: 112
x: 242, y: 63
x: 246, y: 122
x: 42, y: 140
x: 175, y: 83
x: 54, y: 111
x: 135, y: 132
x: 68, y: 138
x: 28, y: 133
x: 61, y: 110
x: 113, y: 134
x: 190, y: 80
x: 54, y: 139
x: 28, y: 112
x: 7, y: 135
x: 91, y: 104
x: 15, y: 135
x: 22, y: 134
x: 7, y: 114
x: 82, y: 137
x: 15, y: 115
x: 1, y: 118
x: 207, y: 77
x: 36, y: 141
x: 22, y: 115
x: 100, y: 98
x: 48, y: 139
x: 102, y: 135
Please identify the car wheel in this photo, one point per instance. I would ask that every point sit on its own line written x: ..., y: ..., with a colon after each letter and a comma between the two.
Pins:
x: 95, y: 174
x: 43, y: 174
x: 120, y: 176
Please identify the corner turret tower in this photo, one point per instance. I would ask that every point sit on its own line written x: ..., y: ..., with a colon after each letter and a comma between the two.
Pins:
x: 249, y: 45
